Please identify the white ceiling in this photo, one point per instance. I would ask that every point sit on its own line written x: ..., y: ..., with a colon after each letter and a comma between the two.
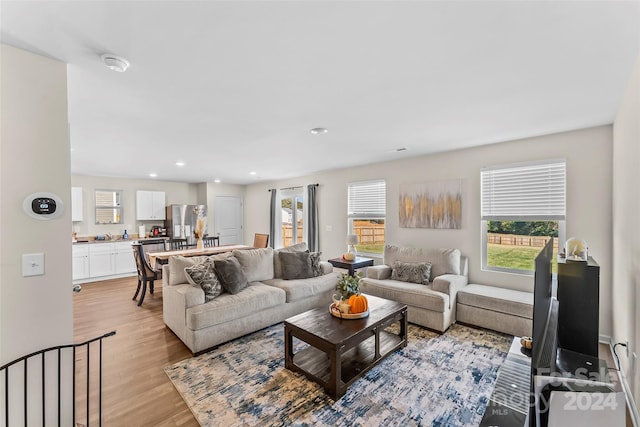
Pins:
x: 234, y: 87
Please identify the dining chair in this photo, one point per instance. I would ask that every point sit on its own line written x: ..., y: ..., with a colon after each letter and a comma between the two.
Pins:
x: 177, y: 244
x: 145, y: 273
x: 260, y: 240
x: 210, y: 241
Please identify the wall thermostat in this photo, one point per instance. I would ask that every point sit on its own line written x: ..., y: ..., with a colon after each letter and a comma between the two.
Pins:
x: 43, y: 206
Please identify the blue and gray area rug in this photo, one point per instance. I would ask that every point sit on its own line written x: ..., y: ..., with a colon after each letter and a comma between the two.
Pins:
x: 437, y: 380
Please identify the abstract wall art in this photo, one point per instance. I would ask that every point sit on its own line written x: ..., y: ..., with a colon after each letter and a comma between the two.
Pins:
x: 436, y: 204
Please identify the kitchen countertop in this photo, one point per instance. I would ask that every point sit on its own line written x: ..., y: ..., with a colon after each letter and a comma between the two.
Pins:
x: 91, y: 241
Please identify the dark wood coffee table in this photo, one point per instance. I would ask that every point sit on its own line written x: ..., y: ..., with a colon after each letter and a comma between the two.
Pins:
x: 342, y: 350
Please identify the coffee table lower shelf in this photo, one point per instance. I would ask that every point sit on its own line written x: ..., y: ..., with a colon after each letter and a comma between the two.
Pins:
x: 354, y: 363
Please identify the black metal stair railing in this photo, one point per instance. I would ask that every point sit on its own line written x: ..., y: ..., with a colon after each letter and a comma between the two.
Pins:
x: 27, y: 395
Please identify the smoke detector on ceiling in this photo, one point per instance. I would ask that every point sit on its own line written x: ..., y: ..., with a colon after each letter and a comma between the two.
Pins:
x: 115, y: 63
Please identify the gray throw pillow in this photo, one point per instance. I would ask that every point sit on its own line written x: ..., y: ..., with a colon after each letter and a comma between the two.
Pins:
x: 296, y: 265
x: 204, y: 275
x: 316, y: 268
x: 230, y: 274
x: 414, y: 272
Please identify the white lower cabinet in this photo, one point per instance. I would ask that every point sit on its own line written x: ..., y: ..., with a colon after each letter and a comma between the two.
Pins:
x: 80, y: 262
x: 124, y: 260
x: 102, y: 260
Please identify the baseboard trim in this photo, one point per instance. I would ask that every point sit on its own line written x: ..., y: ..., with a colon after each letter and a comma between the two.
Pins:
x: 631, y: 404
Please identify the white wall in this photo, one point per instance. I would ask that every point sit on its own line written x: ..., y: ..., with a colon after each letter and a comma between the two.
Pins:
x: 219, y: 189
x: 588, y: 155
x: 175, y: 193
x: 626, y: 228
x: 35, y: 312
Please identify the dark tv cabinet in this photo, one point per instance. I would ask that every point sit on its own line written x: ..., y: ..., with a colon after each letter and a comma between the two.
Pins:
x: 579, y: 305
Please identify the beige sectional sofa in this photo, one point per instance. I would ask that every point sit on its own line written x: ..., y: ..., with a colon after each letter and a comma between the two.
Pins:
x: 503, y: 310
x: 268, y: 299
x: 432, y: 304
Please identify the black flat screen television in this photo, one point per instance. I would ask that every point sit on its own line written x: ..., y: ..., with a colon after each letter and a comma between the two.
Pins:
x: 545, y: 321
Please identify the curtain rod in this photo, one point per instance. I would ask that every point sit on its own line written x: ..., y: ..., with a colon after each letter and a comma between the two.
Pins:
x: 293, y: 188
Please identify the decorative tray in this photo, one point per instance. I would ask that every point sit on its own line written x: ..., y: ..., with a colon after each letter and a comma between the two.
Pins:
x: 337, y: 313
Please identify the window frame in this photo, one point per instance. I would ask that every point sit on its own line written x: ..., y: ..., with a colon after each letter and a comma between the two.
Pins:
x: 293, y: 193
x: 553, y: 210
x: 378, y: 211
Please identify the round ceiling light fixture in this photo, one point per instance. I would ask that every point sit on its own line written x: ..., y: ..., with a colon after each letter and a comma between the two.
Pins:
x: 115, y: 63
x: 319, y: 131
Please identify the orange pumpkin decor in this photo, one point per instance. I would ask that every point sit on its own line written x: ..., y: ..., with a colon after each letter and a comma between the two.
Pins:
x: 358, y: 303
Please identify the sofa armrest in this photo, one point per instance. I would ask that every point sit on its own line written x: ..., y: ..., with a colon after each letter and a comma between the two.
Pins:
x: 175, y: 302
x: 187, y: 295
x: 326, y: 267
x: 380, y: 272
x: 450, y: 284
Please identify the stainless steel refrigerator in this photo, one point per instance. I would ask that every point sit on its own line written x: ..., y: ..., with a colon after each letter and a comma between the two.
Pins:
x: 182, y: 219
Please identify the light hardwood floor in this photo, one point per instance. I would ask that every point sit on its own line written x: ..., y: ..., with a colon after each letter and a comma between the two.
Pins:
x: 136, y: 391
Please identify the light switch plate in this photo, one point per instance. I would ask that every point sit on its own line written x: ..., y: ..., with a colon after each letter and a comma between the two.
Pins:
x: 32, y: 264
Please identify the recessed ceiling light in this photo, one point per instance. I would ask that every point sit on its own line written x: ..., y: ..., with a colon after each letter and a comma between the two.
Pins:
x: 115, y: 63
x: 153, y: 174
x: 217, y: 181
x: 318, y: 131
x: 252, y: 173
x: 179, y: 163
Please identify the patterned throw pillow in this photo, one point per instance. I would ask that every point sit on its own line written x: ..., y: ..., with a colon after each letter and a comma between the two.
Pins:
x: 231, y: 275
x: 204, y: 275
x: 315, y: 263
x: 414, y: 272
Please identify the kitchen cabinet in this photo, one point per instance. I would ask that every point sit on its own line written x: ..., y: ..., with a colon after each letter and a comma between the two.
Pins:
x: 150, y: 205
x: 123, y: 258
x: 102, y: 260
x: 77, y: 204
x: 80, y: 262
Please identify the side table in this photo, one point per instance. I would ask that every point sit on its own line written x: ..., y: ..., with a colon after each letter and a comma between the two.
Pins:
x: 352, y: 266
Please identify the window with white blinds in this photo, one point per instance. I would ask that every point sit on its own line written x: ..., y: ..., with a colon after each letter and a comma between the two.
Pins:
x: 366, y: 214
x: 524, y: 192
x: 367, y: 199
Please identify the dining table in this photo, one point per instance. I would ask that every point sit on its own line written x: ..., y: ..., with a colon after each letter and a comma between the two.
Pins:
x: 161, y: 258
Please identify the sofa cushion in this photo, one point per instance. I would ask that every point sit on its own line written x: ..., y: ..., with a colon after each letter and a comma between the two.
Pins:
x: 502, y: 300
x: 177, y: 264
x: 379, y: 272
x: 415, y: 272
x: 299, y: 289
x: 443, y: 261
x: 406, y: 293
x: 203, y: 275
x: 228, y: 307
x: 257, y: 264
x: 231, y: 275
x: 296, y: 265
x: 277, y: 266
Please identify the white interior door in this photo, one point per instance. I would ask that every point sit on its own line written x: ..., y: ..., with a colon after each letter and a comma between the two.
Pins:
x: 228, y: 219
